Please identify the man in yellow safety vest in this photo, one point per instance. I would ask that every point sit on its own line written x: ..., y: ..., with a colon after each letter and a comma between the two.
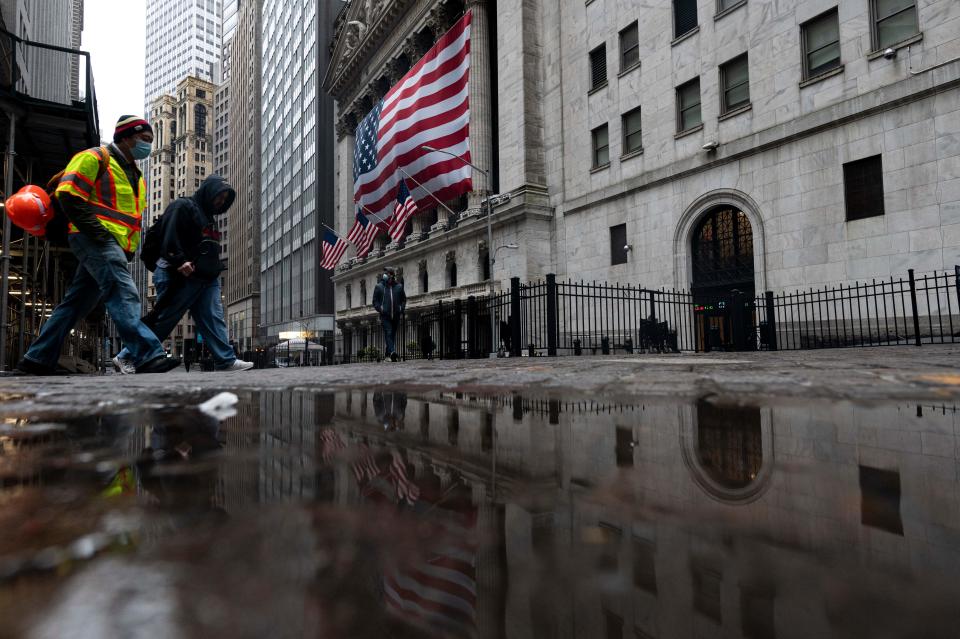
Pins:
x: 103, y: 195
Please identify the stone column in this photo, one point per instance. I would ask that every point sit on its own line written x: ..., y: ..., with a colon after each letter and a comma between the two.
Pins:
x: 481, y: 152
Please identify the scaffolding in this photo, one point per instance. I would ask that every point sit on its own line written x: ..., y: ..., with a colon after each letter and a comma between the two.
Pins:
x: 40, y: 130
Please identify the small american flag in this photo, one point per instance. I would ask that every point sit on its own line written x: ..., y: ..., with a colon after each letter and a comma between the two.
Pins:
x: 331, y: 445
x: 428, y: 106
x: 365, y: 466
x: 362, y: 234
x: 334, y: 247
x: 406, y: 207
x: 406, y: 490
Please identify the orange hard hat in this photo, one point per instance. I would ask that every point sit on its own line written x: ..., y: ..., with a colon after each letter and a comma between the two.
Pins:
x: 30, y: 209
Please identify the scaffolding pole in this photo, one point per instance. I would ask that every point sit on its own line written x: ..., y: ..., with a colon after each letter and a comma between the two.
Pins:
x: 5, y: 258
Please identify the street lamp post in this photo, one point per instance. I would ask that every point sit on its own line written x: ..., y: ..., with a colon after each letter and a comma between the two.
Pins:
x: 490, y: 251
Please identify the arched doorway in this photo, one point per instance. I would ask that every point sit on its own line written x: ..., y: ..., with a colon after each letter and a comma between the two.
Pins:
x: 723, y: 288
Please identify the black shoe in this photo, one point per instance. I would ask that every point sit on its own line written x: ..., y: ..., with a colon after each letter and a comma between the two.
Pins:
x: 30, y: 367
x: 160, y: 364
x: 394, y: 357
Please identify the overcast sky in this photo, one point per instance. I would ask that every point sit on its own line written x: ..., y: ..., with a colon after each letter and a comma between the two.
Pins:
x: 114, y: 32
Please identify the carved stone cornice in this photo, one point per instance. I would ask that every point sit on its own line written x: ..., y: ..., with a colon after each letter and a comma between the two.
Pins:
x: 355, y: 44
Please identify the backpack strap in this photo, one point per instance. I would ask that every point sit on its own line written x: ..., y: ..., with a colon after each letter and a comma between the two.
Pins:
x: 102, y: 152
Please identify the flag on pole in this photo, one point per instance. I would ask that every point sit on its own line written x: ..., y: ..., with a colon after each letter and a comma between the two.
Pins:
x: 362, y: 234
x: 428, y: 106
x: 406, y: 207
x: 334, y: 247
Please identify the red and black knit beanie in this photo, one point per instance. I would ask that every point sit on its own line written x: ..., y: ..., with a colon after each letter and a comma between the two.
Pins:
x: 129, y: 125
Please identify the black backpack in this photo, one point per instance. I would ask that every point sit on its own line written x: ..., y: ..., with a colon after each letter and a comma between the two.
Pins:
x: 151, y: 243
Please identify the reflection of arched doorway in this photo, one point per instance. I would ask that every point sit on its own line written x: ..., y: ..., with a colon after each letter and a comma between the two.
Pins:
x: 723, y: 287
x: 729, y: 444
x: 728, y: 449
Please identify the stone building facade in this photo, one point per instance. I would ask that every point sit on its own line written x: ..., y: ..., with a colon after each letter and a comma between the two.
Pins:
x: 699, y: 144
x: 243, y: 220
x: 182, y: 158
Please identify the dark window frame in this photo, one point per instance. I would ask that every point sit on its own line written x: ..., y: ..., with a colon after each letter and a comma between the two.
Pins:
x: 681, y: 108
x: 875, y: 21
x: 595, y: 82
x: 595, y: 150
x: 725, y: 107
x: 804, y: 30
x: 626, y: 135
x: 626, y: 65
x: 618, y: 254
x: 860, y: 179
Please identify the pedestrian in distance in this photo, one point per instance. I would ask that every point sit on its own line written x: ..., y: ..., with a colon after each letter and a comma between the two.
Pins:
x: 187, y: 272
x: 389, y: 300
x: 103, y: 195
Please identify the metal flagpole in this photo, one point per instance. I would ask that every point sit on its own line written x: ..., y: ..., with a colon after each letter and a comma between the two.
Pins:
x: 427, y: 191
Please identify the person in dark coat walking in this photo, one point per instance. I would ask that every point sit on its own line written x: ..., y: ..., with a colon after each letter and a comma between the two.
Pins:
x: 187, y: 276
x: 389, y: 300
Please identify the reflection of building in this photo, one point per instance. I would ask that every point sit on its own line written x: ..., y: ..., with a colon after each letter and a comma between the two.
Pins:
x: 182, y: 158
x: 699, y: 145
x: 296, y: 176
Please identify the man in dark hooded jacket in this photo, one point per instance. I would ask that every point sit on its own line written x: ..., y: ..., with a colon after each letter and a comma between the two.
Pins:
x: 187, y: 277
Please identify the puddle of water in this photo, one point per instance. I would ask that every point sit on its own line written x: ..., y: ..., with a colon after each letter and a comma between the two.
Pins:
x: 374, y: 514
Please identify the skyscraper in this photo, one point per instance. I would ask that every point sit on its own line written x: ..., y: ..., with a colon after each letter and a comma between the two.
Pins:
x: 243, y: 168
x: 181, y: 159
x: 297, y: 171
x: 183, y: 38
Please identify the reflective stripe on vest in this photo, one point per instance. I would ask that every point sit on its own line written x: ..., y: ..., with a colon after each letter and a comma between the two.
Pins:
x: 120, y: 211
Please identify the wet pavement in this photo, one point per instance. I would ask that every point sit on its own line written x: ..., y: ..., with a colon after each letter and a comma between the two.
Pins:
x: 460, y: 509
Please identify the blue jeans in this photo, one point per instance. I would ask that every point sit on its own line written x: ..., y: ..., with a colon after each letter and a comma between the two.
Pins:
x: 202, y: 298
x: 389, y: 333
x: 102, y: 273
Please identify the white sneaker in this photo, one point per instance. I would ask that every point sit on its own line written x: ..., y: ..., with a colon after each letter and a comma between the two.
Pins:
x: 238, y: 365
x: 124, y: 366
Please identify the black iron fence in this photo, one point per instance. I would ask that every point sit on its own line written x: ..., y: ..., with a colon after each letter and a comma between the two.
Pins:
x: 550, y: 318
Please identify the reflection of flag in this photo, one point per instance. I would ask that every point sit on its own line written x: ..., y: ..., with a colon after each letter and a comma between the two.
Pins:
x: 333, y: 249
x: 428, y: 106
x: 362, y: 234
x: 365, y: 468
x: 441, y: 592
x: 406, y: 490
x: 331, y: 443
x: 406, y: 207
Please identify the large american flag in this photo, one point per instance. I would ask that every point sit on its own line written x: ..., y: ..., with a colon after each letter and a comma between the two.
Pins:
x: 428, y: 106
x: 406, y: 206
x: 334, y: 247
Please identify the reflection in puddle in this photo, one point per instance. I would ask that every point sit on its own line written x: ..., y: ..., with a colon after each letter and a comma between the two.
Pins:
x: 375, y: 513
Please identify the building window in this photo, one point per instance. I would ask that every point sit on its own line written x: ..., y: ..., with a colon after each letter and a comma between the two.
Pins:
x: 424, y: 281
x: 200, y: 119
x: 363, y: 292
x: 724, y: 5
x: 601, y: 146
x: 821, y: 44
x: 598, y: 67
x: 880, y: 499
x: 735, y: 80
x: 684, y: 17
x: 688, y: 106
x: 893, y: 21
x: 632, y: 139
x: 618, y: 244
x: 863, y: 188
x: 629, y: 47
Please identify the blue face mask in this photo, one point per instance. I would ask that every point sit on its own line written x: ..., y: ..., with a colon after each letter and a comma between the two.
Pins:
x: 141, y: 150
